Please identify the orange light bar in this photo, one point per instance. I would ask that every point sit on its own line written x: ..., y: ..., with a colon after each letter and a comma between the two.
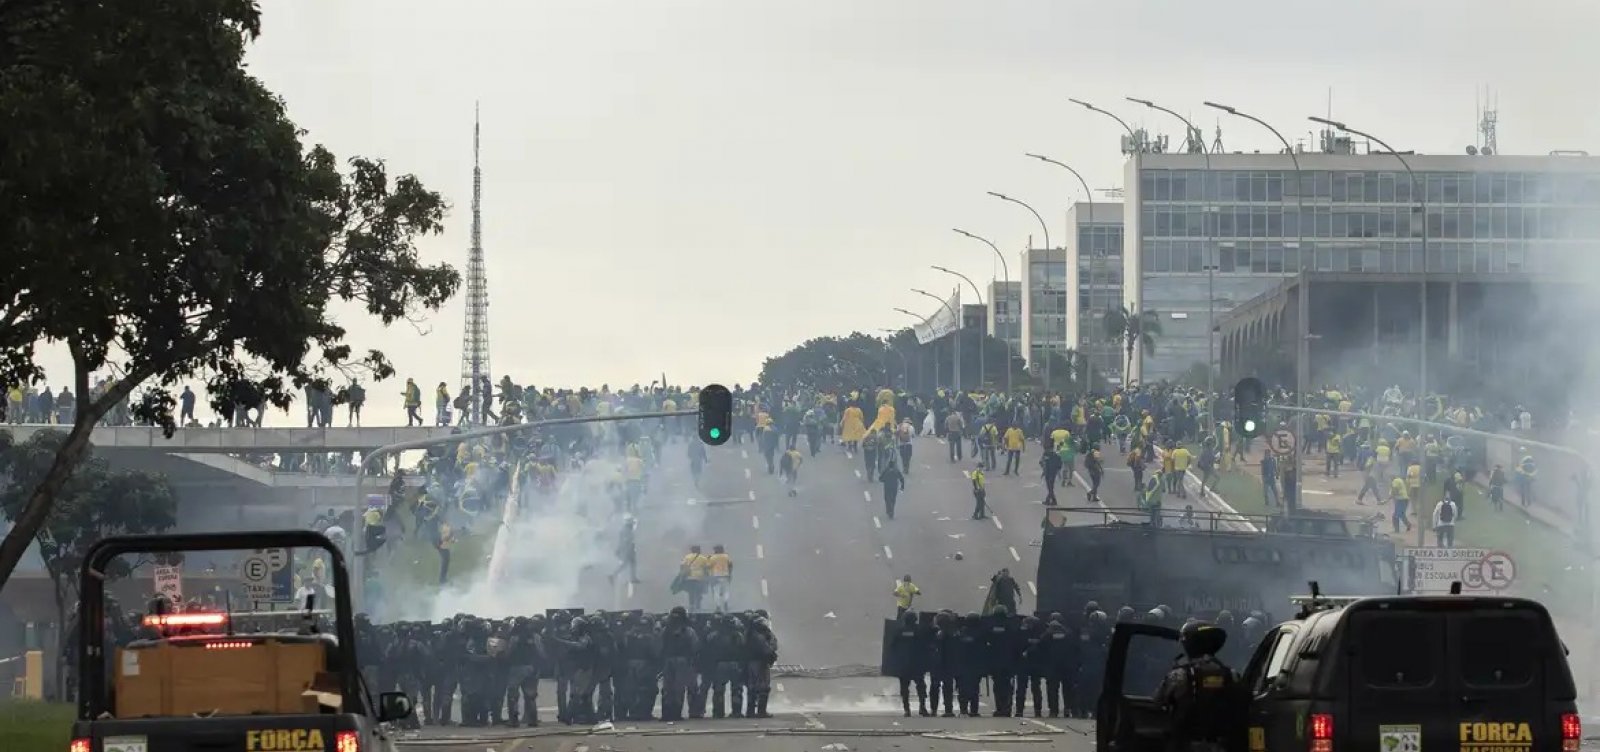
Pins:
x: 186, y: 620
x: 227, y: 645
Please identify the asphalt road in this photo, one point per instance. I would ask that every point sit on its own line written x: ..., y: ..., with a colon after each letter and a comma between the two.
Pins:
x: 824, y: 562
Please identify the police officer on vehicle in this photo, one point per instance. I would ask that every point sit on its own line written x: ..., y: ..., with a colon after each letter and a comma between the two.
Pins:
x: 1200, y: 694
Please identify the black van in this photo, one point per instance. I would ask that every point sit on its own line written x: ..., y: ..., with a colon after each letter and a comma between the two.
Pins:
x: 1391, y: 674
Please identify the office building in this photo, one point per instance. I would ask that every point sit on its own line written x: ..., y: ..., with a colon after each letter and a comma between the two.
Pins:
x: 1200, y: 242
x: 974, y: 316
x: 1094, y: 277
x: 1044, y: 304
x: 1005, y: 314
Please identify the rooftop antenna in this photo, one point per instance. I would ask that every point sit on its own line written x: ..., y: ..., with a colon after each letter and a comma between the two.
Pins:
x: 475, y: 339
x: 1488, y: 118
x: 1216, y: 145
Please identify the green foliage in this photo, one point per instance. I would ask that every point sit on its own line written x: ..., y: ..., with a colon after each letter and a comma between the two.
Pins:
x: 834, y: 364
x: 1136, y: 330
x: 29, y: 726
x: 162, y: 219
x: 96, y: 502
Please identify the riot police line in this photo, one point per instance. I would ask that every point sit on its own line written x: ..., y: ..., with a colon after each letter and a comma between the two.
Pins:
x: 1059, y: 659
x: 607, y: 665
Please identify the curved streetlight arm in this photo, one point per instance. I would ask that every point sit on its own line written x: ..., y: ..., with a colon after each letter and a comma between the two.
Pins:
x: 942, y: 302
x: 913, y: 314
x: 1107, y: 113
x: 1023, y: 204
x: 975, y: 290
x: 1004, y: 268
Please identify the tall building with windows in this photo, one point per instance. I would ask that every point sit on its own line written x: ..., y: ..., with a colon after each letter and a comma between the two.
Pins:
x: 1094, y: 277
x: 1201, y: 241
x: 1005, y: 314
x: 1044, y: 304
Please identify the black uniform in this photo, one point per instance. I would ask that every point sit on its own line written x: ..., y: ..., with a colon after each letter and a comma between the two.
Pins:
x: 1200, y: 694
x: 910, y: 648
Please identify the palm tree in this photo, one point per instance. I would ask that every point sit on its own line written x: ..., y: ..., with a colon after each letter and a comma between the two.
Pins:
x: 1135, y: 329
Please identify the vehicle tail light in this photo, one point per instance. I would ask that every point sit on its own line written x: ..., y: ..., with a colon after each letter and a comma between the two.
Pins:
x: 80, y: 745
x: 234, y: 645
x: 185, y: 620
x: 344, y: 741
x: 1321, y: 732
x: 1571, y: 732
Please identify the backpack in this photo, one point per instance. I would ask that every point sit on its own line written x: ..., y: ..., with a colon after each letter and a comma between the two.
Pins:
x: 1447, y: 514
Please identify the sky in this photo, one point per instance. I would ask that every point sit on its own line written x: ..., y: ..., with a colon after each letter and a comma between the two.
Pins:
x: 690, y: 186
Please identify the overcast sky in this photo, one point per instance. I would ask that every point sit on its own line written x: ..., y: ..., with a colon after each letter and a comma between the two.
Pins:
x: 691, y: 186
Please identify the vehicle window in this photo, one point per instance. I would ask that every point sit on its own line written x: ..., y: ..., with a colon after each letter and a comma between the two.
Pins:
x: 1149, y: 660
x: 1277, y: 653
x: 1500, y: 650
x: 1387, y: 650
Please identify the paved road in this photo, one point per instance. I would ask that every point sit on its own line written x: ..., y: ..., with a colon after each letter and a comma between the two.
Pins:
x: 823, y: 563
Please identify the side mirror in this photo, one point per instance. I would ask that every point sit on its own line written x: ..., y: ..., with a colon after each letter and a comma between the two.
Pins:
x: 393, y: 706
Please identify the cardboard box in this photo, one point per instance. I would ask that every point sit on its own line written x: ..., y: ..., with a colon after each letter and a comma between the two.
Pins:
x: 185, y: 677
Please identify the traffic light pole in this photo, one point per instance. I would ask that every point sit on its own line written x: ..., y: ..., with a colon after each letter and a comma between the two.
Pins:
x: 360, y: 580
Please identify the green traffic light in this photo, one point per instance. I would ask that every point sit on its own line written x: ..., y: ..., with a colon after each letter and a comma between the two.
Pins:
x: 1249, y: 426
x: 716, y: 433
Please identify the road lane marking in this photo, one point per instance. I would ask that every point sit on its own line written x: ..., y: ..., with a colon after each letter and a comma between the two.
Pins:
x: 887, y: 554
x: 778, y: 686
x: 812, y: 722
x: 866, y: 495
x: 752, y: 495
x: 858, y: 472
x: 745, y: 455
x: 761, y: 553
x: 747, y: 473
x: 755, y: 522
x: 997, y: 524
x: 1032, y: 589
x: 763, y: 588
x: 1047, y: 727
x: 877, y: 523
x: 1014, y: 553
x: 630, y: 590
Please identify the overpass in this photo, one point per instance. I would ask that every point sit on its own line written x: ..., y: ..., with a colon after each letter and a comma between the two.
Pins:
x: 242, y: 440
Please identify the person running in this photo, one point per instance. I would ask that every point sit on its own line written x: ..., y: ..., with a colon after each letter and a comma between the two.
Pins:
x: 789, y: 469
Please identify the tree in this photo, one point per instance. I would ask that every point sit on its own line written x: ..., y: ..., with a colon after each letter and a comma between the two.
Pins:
x: 832, y: 364
x: 1135, y: 329
x: 96, y: 502
x: 163, y: 221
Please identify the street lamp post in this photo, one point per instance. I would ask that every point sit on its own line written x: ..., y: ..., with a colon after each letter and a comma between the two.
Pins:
x: 1303, y: 341
x: 1046, y: 229
x: 905, y: 368
x: 928, y: 323
x: 1133, y: 139
x: 955, y: 334
x: 1207, y: 210
x: 1088, y: 356
x: 983, y: 376
x: 1004, y: 290
x: 1422, y: 206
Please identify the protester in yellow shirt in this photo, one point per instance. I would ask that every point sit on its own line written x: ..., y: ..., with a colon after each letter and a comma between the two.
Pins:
x: 904, y: 592
x: 720, y: 566
x: 692, y: 574
x: 1014, y: 442
x: 1180, y: 465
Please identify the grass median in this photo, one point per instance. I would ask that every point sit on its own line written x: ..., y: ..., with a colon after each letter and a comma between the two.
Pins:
x: 32, y: 726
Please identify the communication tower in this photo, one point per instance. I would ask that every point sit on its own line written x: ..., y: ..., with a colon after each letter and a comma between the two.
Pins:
x: 475, y: 338
x: 1488, y: 118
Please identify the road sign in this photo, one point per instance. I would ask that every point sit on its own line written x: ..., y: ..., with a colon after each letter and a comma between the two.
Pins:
x: 1496, y: 571
x: 1281, y: 441
x: 169, y: 582
x: 255, y: 569
x: 1479, y: 570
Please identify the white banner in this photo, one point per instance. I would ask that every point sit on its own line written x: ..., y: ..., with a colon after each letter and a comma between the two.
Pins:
x: 943, y: 321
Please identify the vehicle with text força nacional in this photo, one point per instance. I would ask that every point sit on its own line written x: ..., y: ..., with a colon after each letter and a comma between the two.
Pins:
x: 207, y: 678
x: 1385, y: 674
x: 1200, y: 563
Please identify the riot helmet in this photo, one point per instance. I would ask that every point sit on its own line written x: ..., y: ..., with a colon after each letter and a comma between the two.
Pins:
x: 1200, y: 638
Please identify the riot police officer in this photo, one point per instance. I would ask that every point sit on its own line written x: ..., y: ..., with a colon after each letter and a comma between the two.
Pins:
x: 1201, y: 694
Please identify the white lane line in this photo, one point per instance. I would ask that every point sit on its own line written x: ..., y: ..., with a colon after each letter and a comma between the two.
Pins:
x: 1014, y: 553
x: 858, y: 472
x: 866, y: 495
x: 747, y: 473
x: 877, y: 523
x: 763, y: 588
x: 997, y: 524
x: 1032, y: 589
x: 755, y: 522
x: 1047, y: 727
x: 761, y: 553
x: 778, y: 686
x: 744, y: 454
x: 630, y: 590
x: 887, y: 554
x: 752, y: 495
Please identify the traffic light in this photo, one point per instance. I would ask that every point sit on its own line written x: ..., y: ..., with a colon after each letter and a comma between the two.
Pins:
x: 1249, y: 407
x: 716, y: 414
